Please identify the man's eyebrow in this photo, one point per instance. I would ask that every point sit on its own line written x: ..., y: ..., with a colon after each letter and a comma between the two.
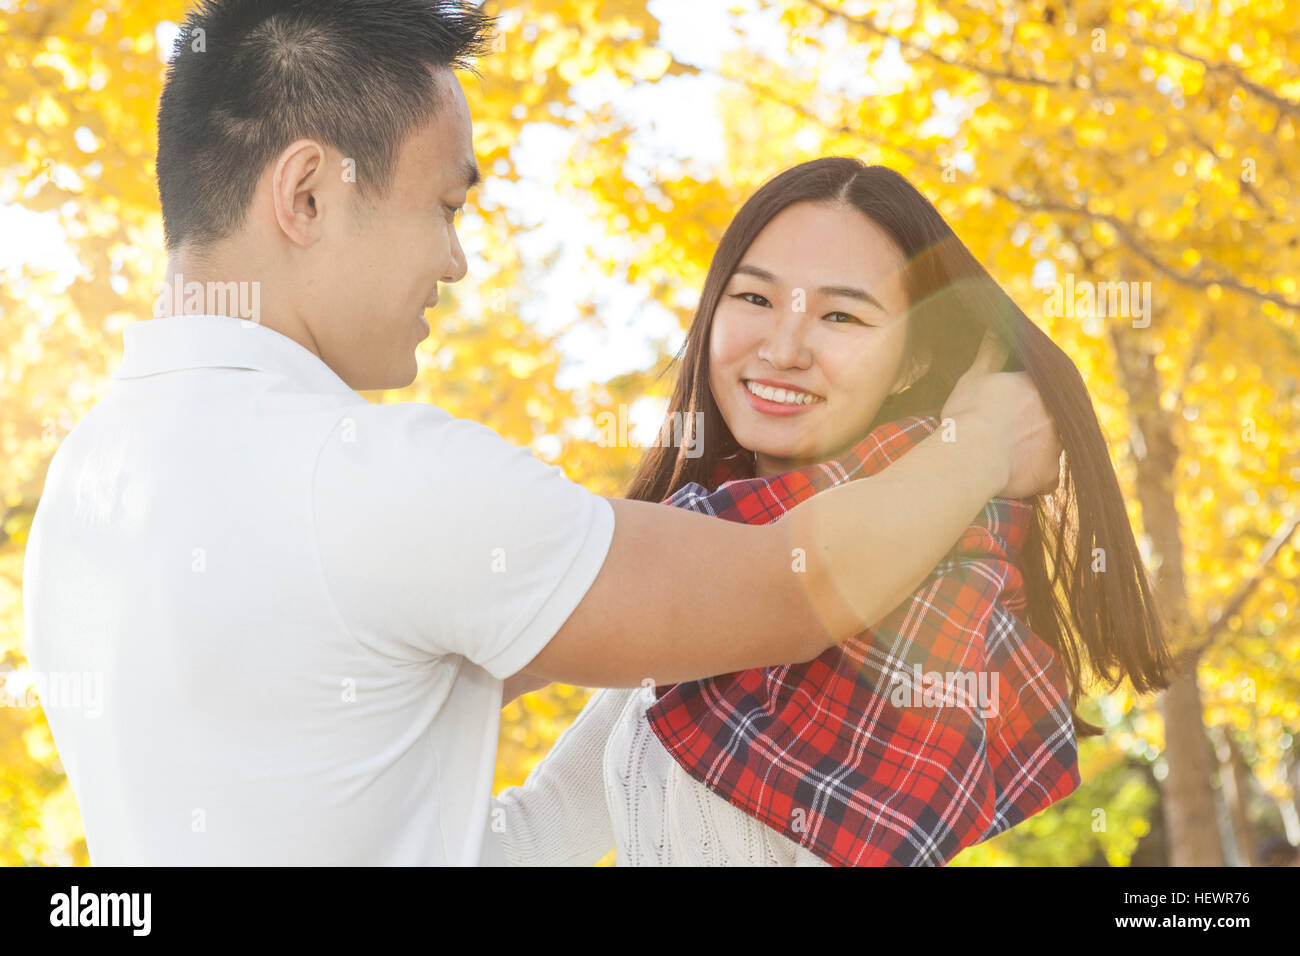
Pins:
x: 844, y: 291
x: 470, y: 170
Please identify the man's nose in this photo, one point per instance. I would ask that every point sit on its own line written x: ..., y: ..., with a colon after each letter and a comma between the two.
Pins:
x: 458, y: 266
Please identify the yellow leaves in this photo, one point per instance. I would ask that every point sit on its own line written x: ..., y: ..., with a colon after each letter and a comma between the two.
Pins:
x: 1288, y: 564
x: 39, y: 744
x: 678, y: 68
x: 575, y: 70
x: 547, y: 50
x: 529, y: 725
x: 19, y: 525
x: 1091, y: 133
x: 59, y: 45
x: 520, y: 364
x: 1040, y: 104
x: 1114, y: 154
x: 651, y: 63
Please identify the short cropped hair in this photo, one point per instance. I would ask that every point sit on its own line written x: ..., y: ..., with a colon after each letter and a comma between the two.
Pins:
x: 248, y: 77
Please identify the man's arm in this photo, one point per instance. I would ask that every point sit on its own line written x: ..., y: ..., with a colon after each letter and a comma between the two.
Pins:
x: 683, y: 596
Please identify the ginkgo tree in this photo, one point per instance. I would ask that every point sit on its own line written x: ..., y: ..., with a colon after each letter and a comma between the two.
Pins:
x: 1146, y: 145
x: 81, y: 88
x: 1082, y: 142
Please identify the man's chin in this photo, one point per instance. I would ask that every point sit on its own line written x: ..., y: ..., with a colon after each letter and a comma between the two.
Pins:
x: 407, y: 376
x: 395, y: 378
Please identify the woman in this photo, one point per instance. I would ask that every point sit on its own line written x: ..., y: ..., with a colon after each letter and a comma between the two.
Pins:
x: 840, y: 305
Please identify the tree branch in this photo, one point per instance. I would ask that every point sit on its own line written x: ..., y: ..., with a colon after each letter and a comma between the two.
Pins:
x: 768, y: 93
x: 1126, y: 234
x: 1218, y: 622
x: 1247, y: 189
x: 1281, y: 102
x: 1193, y: 279
x: 989, y: 73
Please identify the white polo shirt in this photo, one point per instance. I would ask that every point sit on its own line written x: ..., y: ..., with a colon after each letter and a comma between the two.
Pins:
x: 299, y: 606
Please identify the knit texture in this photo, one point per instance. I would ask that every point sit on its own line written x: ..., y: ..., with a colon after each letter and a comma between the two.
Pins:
x: 608, y: 782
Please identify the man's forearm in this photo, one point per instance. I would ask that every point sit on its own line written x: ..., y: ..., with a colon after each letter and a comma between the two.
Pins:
x: 869, y: 543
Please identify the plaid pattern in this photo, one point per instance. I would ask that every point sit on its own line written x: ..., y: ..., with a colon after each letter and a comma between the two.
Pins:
x: 945, y: 724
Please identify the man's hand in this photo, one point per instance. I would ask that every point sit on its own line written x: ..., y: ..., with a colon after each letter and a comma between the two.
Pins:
x: 1019, y: 428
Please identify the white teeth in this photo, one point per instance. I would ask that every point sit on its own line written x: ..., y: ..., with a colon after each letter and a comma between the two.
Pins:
x: 780, y: 395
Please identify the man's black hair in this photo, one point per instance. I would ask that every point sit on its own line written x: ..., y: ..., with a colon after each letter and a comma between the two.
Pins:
x: 248, y: 77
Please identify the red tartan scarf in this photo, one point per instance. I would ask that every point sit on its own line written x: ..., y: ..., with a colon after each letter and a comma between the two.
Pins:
x: 945, y: 724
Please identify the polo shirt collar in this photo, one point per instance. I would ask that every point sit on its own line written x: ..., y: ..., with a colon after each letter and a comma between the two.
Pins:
x: 177, y: 342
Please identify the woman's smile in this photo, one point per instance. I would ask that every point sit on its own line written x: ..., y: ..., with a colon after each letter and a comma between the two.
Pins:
x: 770, y: 399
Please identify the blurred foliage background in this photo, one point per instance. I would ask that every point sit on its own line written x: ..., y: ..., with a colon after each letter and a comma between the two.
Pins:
x: 1139, y: 142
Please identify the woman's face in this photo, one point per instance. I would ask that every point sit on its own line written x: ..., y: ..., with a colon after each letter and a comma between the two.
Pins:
x: 814, y: 318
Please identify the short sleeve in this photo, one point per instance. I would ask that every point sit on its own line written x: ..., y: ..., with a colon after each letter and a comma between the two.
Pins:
x: 437, y: 536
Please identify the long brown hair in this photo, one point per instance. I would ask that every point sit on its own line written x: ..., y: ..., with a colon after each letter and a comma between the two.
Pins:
x: 1105, y: 620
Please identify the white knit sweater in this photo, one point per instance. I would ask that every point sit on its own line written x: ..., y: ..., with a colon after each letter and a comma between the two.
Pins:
x: 608, y: 781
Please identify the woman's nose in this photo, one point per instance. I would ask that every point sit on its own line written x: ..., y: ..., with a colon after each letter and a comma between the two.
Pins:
x: 784, y: 345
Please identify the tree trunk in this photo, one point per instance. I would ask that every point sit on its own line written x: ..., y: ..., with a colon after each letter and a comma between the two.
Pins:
x: 1292, y: 819
x: 1234, y: 780
x: 1187, y: 790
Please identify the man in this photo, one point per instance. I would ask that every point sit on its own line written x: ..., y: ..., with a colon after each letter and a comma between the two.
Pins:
x: 303, y: 606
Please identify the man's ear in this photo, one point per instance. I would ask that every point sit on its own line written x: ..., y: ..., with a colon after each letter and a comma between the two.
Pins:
x: 300, y: 192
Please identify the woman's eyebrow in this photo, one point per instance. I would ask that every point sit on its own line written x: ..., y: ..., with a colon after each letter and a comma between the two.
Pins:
x: 756, y: 272
x: 851, y: 292
x: 843, y: 291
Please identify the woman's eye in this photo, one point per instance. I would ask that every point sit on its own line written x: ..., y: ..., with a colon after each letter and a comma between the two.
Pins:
x: 848, y: 318
x: 749, y: 297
